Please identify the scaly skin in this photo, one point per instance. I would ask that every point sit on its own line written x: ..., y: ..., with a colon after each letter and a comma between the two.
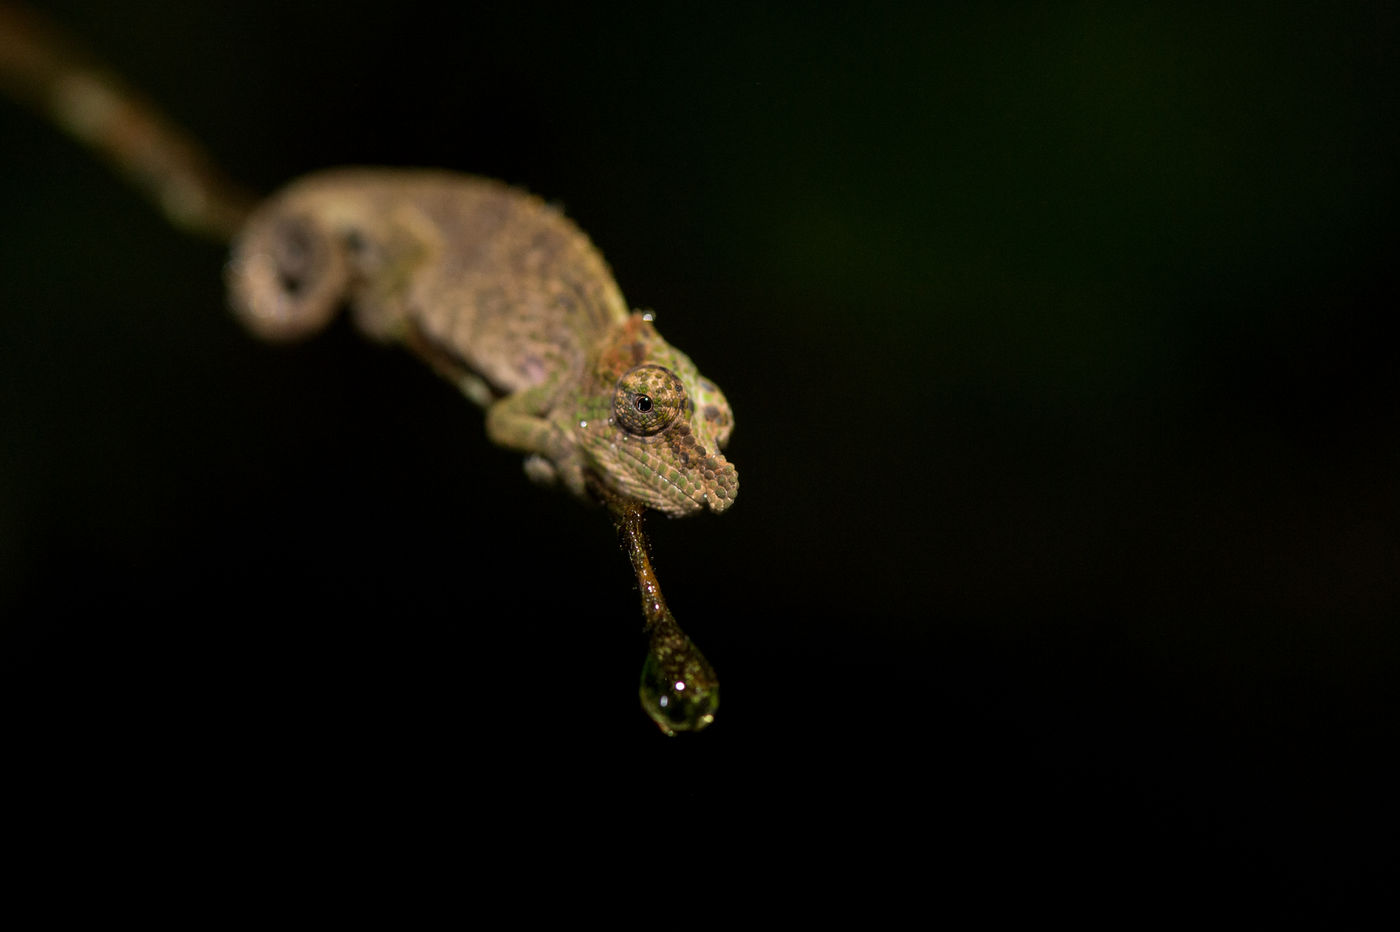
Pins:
x: 497, y: 291
x: 507, y: 298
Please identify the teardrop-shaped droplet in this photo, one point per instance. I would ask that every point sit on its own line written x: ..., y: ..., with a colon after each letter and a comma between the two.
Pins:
x: 679, y: 689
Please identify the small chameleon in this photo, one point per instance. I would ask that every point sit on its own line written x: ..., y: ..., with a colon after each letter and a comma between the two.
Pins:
x: 494, y: 288
x: 497, y: 290
x: 509, y: 300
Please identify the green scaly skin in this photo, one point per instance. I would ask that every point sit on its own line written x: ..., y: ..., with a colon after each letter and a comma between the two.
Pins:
x: 645, y: 421
x: 507, y: 298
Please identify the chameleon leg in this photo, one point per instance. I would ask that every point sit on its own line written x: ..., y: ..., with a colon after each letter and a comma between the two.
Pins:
x: 452, y: 369
x: 515, y: 422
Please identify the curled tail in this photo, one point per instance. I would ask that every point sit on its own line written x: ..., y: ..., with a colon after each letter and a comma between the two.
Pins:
x: 46, y: 70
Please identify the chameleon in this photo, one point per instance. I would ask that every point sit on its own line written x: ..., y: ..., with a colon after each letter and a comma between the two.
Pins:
x: 509, y: 300
x: 495, y: 289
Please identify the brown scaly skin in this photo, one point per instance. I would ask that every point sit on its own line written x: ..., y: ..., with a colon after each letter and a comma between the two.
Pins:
x: 496, y: 290
x: 506, y: 297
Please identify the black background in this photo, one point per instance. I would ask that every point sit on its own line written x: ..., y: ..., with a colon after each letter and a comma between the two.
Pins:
x: 1066, y: 412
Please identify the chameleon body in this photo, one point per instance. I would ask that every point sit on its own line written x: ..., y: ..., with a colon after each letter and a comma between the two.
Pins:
x: 495, y: 289
x: 508, y: 299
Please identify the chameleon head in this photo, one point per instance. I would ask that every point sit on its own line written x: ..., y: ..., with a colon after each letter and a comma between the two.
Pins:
x: 653, y: 427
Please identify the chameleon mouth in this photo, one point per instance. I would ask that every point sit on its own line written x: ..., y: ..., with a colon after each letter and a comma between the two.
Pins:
x: 725, y: 480
x: 709, y: 484
x: 658, y: 490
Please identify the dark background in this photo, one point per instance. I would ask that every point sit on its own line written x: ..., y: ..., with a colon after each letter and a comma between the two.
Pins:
x: 1069, y: 534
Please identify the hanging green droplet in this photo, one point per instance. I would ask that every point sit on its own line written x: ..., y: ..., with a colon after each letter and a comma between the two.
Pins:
x: 679, y: 689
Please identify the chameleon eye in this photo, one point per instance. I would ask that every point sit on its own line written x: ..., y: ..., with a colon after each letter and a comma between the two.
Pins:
x: 648, y: 399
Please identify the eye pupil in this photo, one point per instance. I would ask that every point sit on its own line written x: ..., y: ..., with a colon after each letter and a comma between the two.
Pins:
x: 643, y: 403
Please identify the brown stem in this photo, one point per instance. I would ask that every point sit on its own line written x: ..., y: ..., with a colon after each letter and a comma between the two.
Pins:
x: 628, y: 517
x: 679, y: 688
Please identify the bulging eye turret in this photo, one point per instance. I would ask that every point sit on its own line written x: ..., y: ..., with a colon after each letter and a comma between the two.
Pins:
x: 648, y: 400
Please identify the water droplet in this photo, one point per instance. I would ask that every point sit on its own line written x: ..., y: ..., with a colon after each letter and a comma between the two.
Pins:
x: 675, y: 701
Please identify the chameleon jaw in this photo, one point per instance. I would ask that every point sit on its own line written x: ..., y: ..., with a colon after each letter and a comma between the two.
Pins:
x: 677, y: 491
